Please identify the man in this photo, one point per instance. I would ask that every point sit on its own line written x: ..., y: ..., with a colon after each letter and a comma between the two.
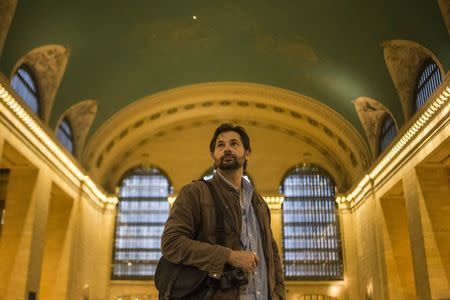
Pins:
x: 189, y: 233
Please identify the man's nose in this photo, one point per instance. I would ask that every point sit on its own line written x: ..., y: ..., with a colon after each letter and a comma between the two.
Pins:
x: 227, y: 149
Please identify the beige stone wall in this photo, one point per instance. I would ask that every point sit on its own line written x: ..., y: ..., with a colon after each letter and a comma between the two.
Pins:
x: 56, y: 238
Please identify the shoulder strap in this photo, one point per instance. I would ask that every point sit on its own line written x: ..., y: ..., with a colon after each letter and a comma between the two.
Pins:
x: 221, y: 215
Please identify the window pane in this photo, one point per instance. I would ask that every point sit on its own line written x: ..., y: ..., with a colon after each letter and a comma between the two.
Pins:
x: 24, y: 85
x: 64, y: 135
x: 142, y: 212
x: 311, y: 235
x: 429, y: 79
x: 387, y: 133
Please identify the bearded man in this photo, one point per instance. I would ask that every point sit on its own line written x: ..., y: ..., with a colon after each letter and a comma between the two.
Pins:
x: 189, y: 236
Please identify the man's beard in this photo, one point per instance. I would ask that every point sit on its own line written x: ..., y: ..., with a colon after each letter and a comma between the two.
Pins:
x: 229, y: 162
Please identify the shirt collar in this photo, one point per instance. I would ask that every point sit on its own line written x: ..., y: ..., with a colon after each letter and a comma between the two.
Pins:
x: 246, y: 185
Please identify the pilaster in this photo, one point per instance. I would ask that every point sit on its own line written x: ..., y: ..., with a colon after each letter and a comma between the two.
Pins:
x: 23, y: 232
x: 413, y: 194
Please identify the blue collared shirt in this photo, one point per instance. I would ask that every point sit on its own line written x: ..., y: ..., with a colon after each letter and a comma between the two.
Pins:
x: 251, y: 241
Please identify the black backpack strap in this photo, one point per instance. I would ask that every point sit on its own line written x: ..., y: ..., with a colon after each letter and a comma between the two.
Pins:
x: 218, y: 209
x: 221, y: 215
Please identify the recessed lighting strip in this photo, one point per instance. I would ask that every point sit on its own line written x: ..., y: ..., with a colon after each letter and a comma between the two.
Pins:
x: 55, y: 149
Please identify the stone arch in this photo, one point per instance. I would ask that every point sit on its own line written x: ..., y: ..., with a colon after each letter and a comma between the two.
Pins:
x: 285, y: 125
x: 80, y: 116
x: 48, y: 64
x: 7, y: 9
x: 404, y: 60
x: 371, y: 113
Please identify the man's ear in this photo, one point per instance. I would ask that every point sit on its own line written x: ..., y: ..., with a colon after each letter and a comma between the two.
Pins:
x: 247, y: 153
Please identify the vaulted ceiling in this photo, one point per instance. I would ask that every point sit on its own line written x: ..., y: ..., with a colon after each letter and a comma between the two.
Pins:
x: 123, y: 51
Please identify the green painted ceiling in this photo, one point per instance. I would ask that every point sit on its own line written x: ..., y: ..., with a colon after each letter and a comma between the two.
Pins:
x: 122, y: 51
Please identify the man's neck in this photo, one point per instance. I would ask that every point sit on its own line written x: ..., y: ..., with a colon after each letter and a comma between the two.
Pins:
x: 233, y: 176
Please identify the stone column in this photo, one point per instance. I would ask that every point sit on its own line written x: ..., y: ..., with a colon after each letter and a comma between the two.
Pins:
x: 349, y: 252
x: 58, y: 247
x: 413, y: 194
x: 22, y: 241
x: 277, y: 226
x: 435, y: 212
x: 2, y: 143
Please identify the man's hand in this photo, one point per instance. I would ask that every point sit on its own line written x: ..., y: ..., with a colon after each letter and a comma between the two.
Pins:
x: 243, y: 259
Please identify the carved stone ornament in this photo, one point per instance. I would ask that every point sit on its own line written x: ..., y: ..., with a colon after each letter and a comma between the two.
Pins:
x: 7, y: 9
x: 404, y: 60
x: 80, y: 116
x: 371, y: 113
x: 48, y: 64
x: 444, y: 5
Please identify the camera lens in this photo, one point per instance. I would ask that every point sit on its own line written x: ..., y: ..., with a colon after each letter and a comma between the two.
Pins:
x: 239, y: 274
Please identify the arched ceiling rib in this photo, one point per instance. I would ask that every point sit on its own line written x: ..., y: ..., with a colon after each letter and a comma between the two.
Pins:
x: 272, y: 109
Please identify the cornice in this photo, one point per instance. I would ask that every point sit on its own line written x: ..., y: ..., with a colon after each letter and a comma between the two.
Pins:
x: 430, y: 119
x: 33, y: 131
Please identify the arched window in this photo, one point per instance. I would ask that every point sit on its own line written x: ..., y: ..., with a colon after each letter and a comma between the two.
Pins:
x: 429, y: 79
x: 65, y: 135
x: 142, y: 212
x: 210, y: 172
x: 388, y: 132
x: 311, y: 234
x: 24, y: 84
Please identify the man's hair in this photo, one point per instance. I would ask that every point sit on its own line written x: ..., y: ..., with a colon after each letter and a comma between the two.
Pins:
x: 229, y: 127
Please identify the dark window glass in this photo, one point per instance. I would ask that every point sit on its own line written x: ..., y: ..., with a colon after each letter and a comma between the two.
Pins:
x: 142, y: 212
x: 429, y: 79
x: 387, y: 133
x: 311, y: 234
x: 25, y: 86
x: 65, y: 135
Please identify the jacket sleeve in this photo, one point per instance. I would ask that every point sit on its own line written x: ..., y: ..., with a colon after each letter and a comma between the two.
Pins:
x: 279, y: 275
x: 178, y: 244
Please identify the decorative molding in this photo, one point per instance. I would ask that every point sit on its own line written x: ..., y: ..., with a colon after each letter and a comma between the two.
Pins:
x: 274, y: 108
x: 7, y: 9
x: 409, y: 140
x: 371, y: 114
x: 38, y: 136
x: 48, y: 64
x: 80, y: 116
x: 404, y: 60
x: 113, y: 169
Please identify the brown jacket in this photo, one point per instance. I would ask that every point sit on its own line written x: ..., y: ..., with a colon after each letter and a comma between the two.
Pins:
x: 189, y: 234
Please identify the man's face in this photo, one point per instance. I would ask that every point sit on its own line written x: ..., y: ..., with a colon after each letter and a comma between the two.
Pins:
x: 229, y: 153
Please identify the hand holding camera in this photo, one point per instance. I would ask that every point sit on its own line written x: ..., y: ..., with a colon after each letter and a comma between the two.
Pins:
x: 244, y: 260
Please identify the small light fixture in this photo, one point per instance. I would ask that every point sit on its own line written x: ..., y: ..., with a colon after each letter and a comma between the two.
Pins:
x: 194, y: 17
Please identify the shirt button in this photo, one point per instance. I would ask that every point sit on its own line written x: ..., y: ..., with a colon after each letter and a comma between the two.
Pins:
x: 258, y: 292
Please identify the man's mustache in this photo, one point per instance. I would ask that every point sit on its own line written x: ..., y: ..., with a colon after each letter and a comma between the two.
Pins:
x: 228, y: 156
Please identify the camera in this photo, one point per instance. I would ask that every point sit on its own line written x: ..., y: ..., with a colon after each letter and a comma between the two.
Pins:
x: 233, y: 278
